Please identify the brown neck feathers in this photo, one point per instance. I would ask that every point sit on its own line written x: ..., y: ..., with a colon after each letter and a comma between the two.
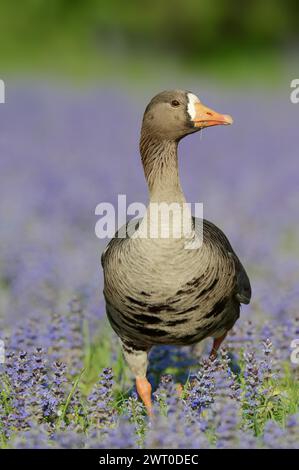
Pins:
x: 160, y: 163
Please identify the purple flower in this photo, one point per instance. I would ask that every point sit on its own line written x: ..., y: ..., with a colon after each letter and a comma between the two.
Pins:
x: 100, y: 400
x: 202, y: 386
x: 53, y: 396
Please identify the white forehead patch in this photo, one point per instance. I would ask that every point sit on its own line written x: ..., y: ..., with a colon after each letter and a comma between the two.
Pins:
x: 192, y: 99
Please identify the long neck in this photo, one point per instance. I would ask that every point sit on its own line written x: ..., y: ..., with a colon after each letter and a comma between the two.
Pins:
x: 160, y: 162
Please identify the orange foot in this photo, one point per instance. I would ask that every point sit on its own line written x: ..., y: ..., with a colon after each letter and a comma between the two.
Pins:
x: 180, y: 389
x: 144, y: 390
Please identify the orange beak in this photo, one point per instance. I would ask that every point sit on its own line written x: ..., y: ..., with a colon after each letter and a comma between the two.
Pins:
x: 206, y: 117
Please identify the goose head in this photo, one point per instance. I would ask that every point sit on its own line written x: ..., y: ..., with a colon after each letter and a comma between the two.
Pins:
x: 174, y: 114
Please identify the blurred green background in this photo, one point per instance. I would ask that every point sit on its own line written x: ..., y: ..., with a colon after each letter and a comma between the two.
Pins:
x: 252, y: 40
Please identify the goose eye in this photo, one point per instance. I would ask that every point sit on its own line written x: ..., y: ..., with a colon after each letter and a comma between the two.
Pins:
x: 175, y: 103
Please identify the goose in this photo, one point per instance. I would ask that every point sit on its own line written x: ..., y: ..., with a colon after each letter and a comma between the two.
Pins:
x: 181, y: 288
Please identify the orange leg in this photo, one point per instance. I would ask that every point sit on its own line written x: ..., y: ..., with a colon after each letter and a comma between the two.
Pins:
x: 216, y: 345
x: 144, y: 390
x: 180, y: 389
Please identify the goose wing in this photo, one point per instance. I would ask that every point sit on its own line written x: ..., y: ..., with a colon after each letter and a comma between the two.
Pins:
x: 212, y: 233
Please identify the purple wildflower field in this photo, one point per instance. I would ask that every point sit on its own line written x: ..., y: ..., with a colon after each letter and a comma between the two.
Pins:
x: 64, y: 383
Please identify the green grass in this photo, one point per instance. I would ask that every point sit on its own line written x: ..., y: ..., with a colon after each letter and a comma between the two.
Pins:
x: 97, y: 355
